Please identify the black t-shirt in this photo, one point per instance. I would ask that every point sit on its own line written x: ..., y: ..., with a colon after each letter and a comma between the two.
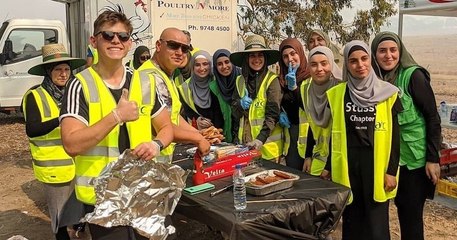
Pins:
x: 75, y: 104
x: 360, y: 128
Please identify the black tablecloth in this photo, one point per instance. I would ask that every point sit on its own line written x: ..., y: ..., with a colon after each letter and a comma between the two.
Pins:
x: 317, y: 211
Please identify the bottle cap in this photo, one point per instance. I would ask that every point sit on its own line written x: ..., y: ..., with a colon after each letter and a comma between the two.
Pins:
x: 238, y: 166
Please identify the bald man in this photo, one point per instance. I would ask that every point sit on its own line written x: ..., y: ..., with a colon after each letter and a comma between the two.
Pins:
x: 171, y: 50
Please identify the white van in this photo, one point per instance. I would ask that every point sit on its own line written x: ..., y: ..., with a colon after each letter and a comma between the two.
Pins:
x: 20, y: 43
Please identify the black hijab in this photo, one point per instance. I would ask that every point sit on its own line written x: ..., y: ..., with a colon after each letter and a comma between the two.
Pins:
x: 55, y: 91
x: 226, y: 83
x: 137, y: 54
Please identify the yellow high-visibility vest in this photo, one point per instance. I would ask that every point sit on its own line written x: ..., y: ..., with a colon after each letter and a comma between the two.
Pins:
x: 101, y: 103
x: 321, y: 135
x: 273, y: 146
x: 51, y: 164
x: 148, y: 67
x: 382, y: 142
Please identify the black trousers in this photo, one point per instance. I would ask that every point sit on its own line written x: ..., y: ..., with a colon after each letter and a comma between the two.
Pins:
x: 364, y: 218
x: 414, y: 188
x: 293, y: 159
x: 121, y: 232
x: 62, y: 234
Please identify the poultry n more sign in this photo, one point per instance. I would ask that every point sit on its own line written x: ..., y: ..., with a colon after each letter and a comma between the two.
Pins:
x: 212, y: 23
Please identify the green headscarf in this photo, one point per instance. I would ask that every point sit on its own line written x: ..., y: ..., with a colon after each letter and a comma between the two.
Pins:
x: 406, y: 60
x: 335, y: 49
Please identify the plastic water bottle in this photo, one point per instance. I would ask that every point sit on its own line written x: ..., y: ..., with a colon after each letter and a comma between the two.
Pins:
x: 239, y: 189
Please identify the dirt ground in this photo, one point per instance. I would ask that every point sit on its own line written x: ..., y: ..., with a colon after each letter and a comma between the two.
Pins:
x: 22, y: 201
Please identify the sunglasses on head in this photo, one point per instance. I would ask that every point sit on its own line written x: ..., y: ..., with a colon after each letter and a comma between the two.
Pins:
x: 176, y: 45
x: 144, y: 58
x: 109, y: 35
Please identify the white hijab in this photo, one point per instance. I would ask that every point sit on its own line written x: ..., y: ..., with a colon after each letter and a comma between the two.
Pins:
x: 317, y: 104
x: 369, y: 91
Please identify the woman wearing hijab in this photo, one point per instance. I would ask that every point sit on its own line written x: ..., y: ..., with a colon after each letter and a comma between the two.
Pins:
x: 324, y: 75
x: 319, y: 38
x: 226, y: 74
x: 199, y: 99
x: 419, y: 128
x: 51, y: 164
x: 293, y: 72
x: 256, y: 101
x: 365, y: 144
x: 140, y: 56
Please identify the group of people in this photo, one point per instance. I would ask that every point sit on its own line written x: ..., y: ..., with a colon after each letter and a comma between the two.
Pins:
x: 371, y: 125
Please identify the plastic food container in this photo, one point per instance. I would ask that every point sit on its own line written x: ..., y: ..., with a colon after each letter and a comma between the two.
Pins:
x: 260, y: 190
x: 447, y: 188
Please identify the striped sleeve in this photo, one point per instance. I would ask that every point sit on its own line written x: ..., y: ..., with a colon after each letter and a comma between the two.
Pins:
x: 74, y: 103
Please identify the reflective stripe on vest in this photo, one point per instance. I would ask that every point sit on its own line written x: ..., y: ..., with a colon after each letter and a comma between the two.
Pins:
x: 382, y: 142
x: 45, y: 143
x: 273, y: 146
x: 89, y: 164
x: 186, y: 94
x: 143, y: 92
x: 51, y: 164
x: 84, y: 181
x: 321, y: 135
x: 149, y: 67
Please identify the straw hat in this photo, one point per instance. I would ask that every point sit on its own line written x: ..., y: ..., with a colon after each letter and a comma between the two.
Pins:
x: 255, y: 43
x: 54, y: 53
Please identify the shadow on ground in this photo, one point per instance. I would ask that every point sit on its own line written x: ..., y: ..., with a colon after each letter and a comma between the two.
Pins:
x: 15, y: 222
x: 35, y: 192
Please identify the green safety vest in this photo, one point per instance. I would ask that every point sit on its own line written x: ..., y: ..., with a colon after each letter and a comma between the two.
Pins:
x: 101, y: 103
x: 51, y: 164
x: 382, y: 142
x: 167, y: 153
x: 321, y: 135
x: 273, y: 146
x: 412, y: 125
x: 226, y: 110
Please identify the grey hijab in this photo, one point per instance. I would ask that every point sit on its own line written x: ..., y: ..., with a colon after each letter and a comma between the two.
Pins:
x: 318, y: 101
x: 199, y: 87
x: 370, y: 90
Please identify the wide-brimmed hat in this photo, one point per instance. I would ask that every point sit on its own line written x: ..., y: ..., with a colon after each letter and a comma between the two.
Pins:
x: 255, y: 43
x: 54, y: 53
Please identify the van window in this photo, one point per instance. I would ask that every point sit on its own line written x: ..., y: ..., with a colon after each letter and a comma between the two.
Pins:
x: 27, y: 43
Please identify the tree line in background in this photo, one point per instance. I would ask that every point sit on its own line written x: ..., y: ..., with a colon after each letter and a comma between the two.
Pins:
x: 279, y: 19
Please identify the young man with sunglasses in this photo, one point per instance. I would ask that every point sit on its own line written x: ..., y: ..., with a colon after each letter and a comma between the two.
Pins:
x: 171, y: 50
x: 96, y: 105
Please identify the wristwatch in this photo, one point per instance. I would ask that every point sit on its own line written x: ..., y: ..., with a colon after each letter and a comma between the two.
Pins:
x: 159, y: 143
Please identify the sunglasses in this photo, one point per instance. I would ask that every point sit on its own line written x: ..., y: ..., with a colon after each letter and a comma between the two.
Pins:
x: 109, y: 35
x: 176, y: 45
x: 144, y: 58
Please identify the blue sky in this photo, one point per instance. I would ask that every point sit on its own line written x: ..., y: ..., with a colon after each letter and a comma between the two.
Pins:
x: 413, y: 25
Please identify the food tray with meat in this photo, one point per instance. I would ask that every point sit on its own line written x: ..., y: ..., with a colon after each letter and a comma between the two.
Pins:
x: 269, y: 181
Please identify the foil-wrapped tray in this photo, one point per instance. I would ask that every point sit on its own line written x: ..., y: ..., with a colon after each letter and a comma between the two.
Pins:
x: 278, y: 185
